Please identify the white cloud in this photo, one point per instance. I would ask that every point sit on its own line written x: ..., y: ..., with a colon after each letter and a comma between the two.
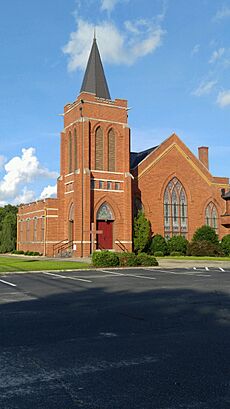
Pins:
x: 195, y: 49
x: 20, y: 171
x: 2, y: 161
x: 216, y: 55
x: 222, y: 13
x: 49, y: 191
x: 108, y: 5
x: 223, y: 98
x: 204, y: 88
x: 136, y: 40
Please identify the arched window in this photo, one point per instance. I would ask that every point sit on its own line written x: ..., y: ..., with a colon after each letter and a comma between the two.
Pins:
x: 99, y: 154
x: 175, y: 209
x: 211, y: 216
x: 70, y: 168
x: 75, y: 150
x: 111, y: 151
x: 104, y: 212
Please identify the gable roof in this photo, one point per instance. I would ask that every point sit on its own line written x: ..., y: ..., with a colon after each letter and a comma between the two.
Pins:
x: 226, y: 196
x: 94, y: 79
x: 137, y: 157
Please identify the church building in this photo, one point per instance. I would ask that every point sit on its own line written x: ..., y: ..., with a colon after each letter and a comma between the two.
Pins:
x: 102, y: 185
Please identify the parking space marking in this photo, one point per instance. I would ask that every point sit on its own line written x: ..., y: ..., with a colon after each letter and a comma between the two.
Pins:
x: 128, y: 275
x: 67, y: 277
x: 221, y: 269
x: 8, y: 283
x: 112, y: 272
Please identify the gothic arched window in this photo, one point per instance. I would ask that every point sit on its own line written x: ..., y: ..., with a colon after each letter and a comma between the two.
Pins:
x: 111, y: 150
x: 99, y: 149
x: 211, y: 216
x: 75, y: 150
x: 175, y: 209
x: 70, y: 168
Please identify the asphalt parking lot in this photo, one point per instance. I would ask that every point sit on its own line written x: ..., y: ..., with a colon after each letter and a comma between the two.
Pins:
x: 116, y: 339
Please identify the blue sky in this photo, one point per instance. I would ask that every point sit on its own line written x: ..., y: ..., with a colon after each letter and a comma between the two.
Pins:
x: 170, y: 59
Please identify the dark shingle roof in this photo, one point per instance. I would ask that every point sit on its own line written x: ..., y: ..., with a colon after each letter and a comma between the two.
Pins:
x: 227, y: 196
x: 137, y: 157
x: 94, y: 80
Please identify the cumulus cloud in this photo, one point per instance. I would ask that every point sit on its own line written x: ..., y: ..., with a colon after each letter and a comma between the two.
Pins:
x: 223, y: 98
x: 20, y: 171
x: 216, y: 55
x: 49, y: 191
x: 108, y: 5
x: 224, y: 12
x: 135, y: 40
x: 204, y: 88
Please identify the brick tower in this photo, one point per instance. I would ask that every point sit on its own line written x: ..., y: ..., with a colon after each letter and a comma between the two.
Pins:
x: 94, y: 187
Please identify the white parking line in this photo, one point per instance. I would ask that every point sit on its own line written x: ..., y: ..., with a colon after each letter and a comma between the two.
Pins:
x: 128, y: 275
x: 221, y: 269
x: 66, y: 277
x: 113, y: 273
x: 7, y: 283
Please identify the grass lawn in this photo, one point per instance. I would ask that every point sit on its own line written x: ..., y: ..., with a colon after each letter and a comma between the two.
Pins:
x: 195, y: 258
x: 8, y: 264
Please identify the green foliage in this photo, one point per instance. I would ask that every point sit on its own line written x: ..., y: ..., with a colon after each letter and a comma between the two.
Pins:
x: 17, y: 252
x: 178, y: 244
x: 225, y: 244
x: 175, y: 254
x: 205, y: 233
x: 158, y: 254
x: 105, y: 259
x: 158, y: 243
x: 8, y: 228
x: 144, y: 259
x: 204, y: 248
x: 127, y: 259
x: 141, y: 232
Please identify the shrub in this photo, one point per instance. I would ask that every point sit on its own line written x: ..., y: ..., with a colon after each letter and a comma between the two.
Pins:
x: 204, y: 248
x: 17, y: 252
x: 175, y: 254
x: 158, y: 254
x: 36, y: 253
x: 225, y: 245
x: 178, y: 244
x: 206, y: 233
x: 141, y: 232
x: 144, y: 259
x: 158, y: 243
x: 127, y: 259
x: 105, y: 259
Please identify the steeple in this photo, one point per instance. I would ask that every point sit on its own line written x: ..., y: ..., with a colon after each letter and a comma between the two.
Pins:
x: 94, y: 80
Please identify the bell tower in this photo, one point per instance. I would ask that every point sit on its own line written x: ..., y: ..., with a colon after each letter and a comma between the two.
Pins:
x: 94, y: 186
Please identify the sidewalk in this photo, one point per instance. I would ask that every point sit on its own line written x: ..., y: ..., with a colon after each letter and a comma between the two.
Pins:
x: 170, y: 263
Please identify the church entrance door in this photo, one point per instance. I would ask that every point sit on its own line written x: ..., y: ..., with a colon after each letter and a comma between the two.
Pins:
x: 105, y: 239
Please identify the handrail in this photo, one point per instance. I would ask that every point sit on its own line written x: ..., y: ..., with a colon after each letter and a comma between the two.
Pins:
x: 122, y: 246
x: 65, y: 246
x: 56, y: 245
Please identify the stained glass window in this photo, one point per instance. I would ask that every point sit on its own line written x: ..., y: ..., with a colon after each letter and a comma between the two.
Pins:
x: 175, y: 209
x: 105, y: 213
x: 211, y: 216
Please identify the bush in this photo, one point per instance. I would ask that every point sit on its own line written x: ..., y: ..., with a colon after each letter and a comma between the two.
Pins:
x: 178, y: 244
x: 158, y: 244
x: 127, y: 259
x: 225, y: 245
x: 158, y: 254
x: 17, y: 252
x: 204, y: 248
x: 175, y: 254
x: 144, y: 259
x: 105, y: 259
x: 206, y: 233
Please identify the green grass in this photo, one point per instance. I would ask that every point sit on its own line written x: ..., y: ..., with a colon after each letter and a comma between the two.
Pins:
x: 195, y: 258
x: 8, y: 264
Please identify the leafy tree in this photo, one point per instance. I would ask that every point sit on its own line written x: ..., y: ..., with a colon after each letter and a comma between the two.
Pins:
x: 158, y: 243
x: 141, y: 232
x: 204, y: 248
x: 8, y: 233
x: 225, y: 244
x: 178, y: 244
x: 206, y: 233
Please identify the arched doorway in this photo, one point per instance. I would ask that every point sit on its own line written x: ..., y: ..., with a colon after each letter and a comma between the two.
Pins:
x: 105, y: 221
x: 71, y: 224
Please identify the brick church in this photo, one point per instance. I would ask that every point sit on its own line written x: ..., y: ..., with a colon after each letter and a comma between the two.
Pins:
x: 102, y: 185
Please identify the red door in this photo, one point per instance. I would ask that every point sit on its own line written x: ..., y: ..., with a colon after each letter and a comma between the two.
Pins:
x: 105, y: 240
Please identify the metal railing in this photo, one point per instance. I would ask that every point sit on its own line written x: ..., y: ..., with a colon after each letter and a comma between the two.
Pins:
x: 61, y: 248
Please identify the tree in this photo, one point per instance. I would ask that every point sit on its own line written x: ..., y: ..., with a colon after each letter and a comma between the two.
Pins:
x: 206, y: 233
x: 225, y: 244
x: 141, y: 232
x: 8, y: 228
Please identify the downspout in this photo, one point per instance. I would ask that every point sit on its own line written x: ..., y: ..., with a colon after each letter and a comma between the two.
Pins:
x: 45, y: 227
x: 82, y: 180
x: 17, y: 243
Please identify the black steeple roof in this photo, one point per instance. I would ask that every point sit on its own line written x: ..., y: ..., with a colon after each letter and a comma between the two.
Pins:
x: 94, y: 80
x: 137, y: 157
